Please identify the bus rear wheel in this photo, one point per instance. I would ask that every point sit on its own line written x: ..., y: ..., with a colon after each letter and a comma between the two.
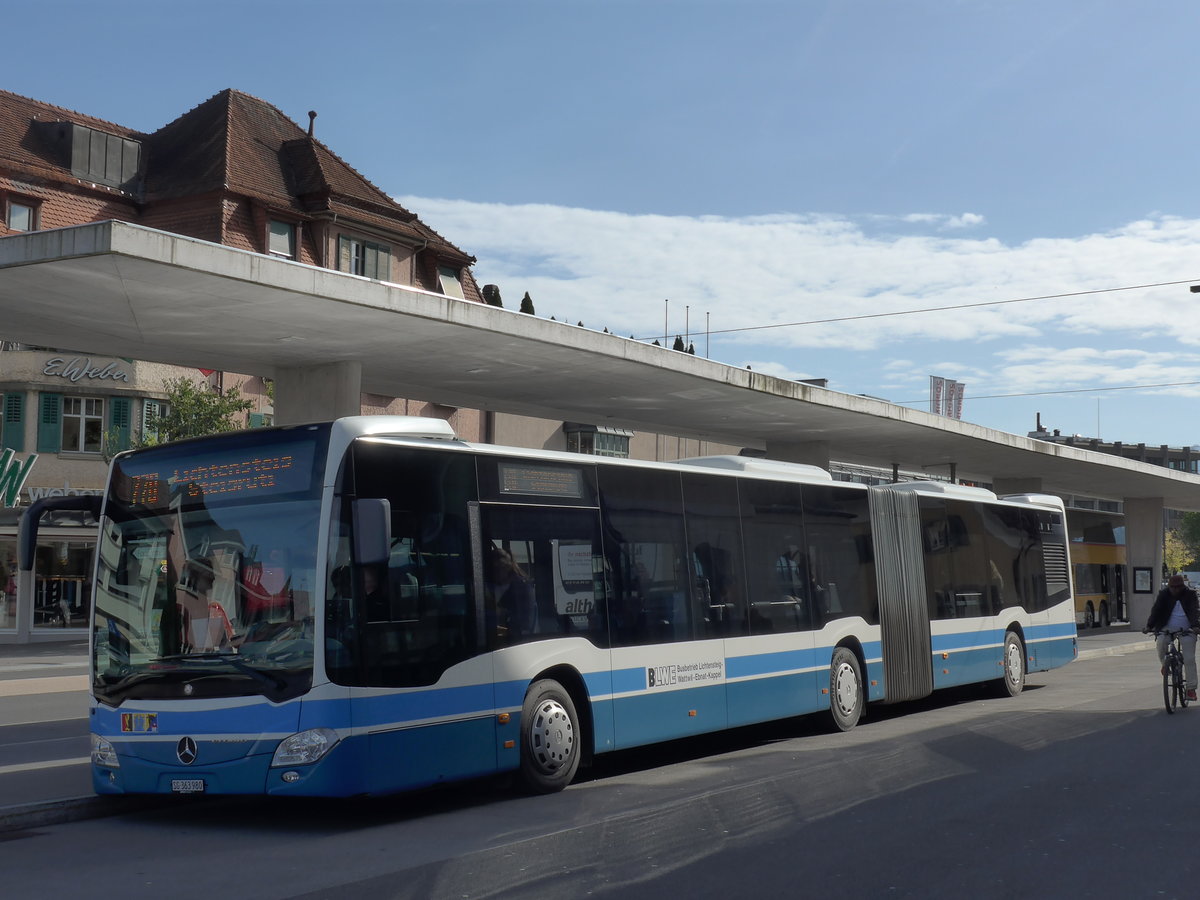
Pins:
x: 1105, y: 621
x: 549, y: 738
x: 1014, y: 664
x: 845, y: 689
x: 1089, y: 616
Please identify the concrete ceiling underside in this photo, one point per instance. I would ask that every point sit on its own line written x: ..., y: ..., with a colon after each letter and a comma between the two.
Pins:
x: 114, y: 289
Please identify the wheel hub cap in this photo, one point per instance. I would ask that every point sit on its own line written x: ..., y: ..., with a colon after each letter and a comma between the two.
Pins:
x: 551, y: 737
x: 847, y: 689
x: 1014, y: 663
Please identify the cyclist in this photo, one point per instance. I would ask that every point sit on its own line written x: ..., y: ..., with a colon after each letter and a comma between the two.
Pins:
x: 1177, y: 608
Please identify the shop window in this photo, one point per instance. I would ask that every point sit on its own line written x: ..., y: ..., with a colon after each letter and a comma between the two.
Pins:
x: 82, y: 424
x: 360, y: 257
x: 62, y: 584
x: 282, y: 241
x: 8, y: 584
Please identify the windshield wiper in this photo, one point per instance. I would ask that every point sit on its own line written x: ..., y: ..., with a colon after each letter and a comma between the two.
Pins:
x: 226, y: 656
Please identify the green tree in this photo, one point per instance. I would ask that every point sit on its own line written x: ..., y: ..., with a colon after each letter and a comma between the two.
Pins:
x: 196, y: 410
x: 527, y: 304
x: 1189, y: 532
x: 1177, y: 553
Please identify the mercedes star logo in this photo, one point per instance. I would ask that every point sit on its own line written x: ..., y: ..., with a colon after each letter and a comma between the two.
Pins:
x: 186, y: 751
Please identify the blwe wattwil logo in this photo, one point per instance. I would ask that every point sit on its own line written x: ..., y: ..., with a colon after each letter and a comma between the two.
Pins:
x: 13, y: 473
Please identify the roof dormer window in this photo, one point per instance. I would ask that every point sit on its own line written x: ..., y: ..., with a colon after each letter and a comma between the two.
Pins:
x: 282, y: 239
x: 365, y: 258
x: 21, y: 216
x: 104, y: 158
x: 450, y: 283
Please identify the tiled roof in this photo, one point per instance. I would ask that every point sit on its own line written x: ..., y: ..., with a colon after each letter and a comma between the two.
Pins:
x: 233, y: 142
x: 237, y: 142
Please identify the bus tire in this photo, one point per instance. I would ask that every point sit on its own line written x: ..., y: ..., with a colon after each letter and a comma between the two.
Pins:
x: 845, y: 689
x: 549, y: 738
x: 1013, y: 681
x: 1089, y: 615
x: 1104, y: 617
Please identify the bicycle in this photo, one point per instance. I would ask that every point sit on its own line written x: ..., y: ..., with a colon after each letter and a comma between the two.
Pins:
x: 1174, y: 684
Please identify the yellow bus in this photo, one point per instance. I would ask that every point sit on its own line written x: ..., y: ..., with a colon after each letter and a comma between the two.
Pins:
x: 1098, y: 574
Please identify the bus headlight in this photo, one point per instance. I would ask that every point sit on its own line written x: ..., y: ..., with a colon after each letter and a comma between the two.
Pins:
x: 305, y: 748
x: 103, y: 753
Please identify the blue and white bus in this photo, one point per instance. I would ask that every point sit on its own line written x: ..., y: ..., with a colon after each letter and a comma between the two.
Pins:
x: 372, y: 605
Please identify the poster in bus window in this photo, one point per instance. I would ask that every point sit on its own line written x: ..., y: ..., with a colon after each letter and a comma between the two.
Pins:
x: 574, y: 594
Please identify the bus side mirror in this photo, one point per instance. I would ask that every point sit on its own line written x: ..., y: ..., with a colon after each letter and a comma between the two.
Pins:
x: 372, y: 531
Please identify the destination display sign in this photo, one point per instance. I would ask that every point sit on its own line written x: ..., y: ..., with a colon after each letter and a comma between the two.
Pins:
x: 226, y: 474
x: 531, y: 479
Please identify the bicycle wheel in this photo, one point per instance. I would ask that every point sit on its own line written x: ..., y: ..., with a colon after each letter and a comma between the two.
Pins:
x: 1169, y: 685
x: 1180, y: 683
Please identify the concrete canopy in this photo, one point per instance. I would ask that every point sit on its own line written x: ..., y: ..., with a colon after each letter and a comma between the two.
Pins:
x: 123, y: 290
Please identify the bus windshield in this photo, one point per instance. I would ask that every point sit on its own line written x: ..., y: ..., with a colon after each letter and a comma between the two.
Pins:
x: 206, y: 568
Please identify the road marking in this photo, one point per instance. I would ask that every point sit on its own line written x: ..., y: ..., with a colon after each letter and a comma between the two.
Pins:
x: 44, y: 764
x: 55, y: 684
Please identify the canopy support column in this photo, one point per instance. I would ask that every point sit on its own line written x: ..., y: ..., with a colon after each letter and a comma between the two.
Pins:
x: 318, y: 393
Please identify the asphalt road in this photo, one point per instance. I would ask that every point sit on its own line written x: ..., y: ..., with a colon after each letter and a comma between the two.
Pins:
x: 1080, y: 787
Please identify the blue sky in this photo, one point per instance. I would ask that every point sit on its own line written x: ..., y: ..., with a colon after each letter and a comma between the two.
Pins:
x: 756, y: 163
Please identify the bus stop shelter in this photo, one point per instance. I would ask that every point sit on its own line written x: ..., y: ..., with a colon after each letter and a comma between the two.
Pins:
x: 327, y: 336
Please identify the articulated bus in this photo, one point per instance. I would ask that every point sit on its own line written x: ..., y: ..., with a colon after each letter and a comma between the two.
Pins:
x: 372, y: 605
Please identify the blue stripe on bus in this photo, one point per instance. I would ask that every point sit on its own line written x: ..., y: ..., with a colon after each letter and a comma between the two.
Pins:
x: 438, y: 703
x: 774, y: 663
x: 627, y: 680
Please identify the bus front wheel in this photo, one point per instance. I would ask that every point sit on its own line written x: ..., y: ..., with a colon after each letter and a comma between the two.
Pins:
x: 845, y: 689
x: 549, y: 738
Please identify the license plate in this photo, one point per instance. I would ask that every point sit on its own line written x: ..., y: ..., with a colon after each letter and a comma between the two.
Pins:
x: 187, y: 786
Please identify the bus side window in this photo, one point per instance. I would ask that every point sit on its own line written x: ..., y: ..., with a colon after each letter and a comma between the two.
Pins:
x: 540, y: 574
x: 650, y: 561
x: 714, y: 530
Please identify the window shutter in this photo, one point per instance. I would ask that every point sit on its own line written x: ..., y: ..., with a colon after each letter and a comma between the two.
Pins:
x: 256, y: 420
x: 118, y: 420
x: 49, y: 438
x: 383, y: 264
x: 343, y: 255
x: 14, y: 422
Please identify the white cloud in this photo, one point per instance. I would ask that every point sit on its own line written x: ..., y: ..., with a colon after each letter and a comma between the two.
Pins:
x: 942, y: 221
x: 615, y: 270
